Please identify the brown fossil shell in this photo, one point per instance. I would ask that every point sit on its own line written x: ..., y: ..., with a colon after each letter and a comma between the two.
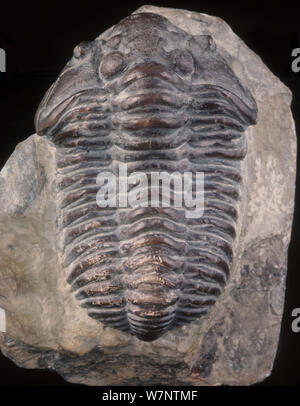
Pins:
x: 149, y: 95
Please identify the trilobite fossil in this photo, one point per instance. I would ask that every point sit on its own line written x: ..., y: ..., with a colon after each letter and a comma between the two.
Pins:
x: 150, y: 95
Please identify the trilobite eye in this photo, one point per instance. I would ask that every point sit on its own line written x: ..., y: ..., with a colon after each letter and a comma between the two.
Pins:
x: 114, y: 42
x: 183, y: 61
x: 206, y: 42
x: 81, y: 49
x: 112, y: 64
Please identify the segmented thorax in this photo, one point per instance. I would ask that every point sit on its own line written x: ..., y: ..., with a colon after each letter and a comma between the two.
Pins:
x: 148, y: 95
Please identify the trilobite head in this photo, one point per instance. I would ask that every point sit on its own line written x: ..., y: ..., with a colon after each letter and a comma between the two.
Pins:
x: 150, y: 96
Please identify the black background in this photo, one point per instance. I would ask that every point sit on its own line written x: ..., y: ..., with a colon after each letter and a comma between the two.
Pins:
x: 39, y: 39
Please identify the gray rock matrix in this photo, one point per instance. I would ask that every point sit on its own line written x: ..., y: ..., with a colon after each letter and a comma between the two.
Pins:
x: 42, y: 324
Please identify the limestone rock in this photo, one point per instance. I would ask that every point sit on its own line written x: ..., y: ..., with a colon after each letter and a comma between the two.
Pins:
x: 42, y: 324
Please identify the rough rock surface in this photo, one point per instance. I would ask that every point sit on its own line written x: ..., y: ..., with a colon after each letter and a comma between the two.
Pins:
x: 236, y: 343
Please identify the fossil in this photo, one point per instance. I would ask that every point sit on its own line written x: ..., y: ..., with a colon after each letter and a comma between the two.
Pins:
x: 150, y: 95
